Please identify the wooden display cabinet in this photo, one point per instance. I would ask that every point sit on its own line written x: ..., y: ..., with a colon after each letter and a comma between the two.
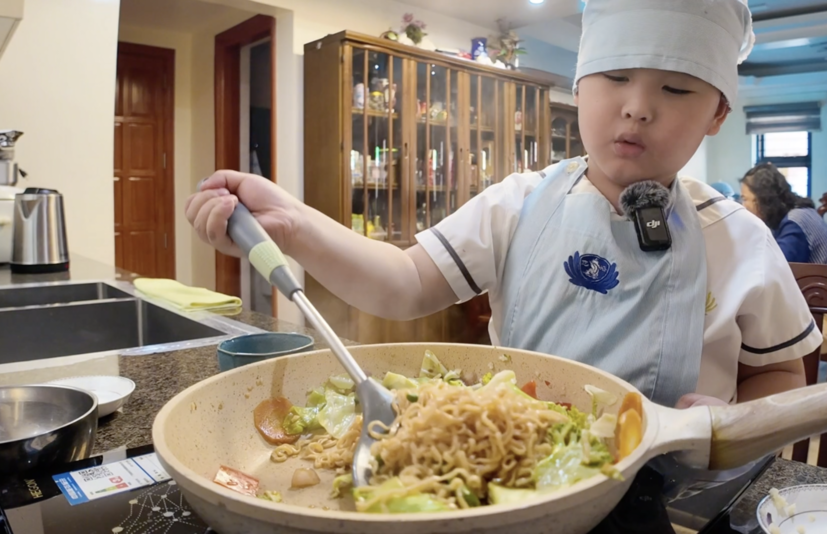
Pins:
x: 397, y: 138
x: 565, y: 133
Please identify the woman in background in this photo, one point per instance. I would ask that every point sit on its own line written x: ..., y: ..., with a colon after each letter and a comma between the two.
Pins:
x: 799, y: 230
x: 726, y: 190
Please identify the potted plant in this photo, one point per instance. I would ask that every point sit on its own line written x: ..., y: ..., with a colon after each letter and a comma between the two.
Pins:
x: 413, y: 29
x: 506, y: 47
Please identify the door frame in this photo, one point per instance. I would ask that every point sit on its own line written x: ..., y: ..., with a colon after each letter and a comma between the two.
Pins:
x: 227, y: 122
x: 167, y: 55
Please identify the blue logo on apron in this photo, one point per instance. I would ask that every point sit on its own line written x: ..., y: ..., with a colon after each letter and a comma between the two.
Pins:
x: 592, y: 272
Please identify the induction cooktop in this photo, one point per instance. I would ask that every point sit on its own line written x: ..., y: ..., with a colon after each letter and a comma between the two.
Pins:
x: 127, y: 492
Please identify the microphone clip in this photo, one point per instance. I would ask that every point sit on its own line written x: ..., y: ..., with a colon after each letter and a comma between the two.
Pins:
x: 652, y: 231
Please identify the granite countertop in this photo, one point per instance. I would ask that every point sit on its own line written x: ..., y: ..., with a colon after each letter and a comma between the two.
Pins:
x: 80, y: 269
x: 781, y: 474
x: 159, y: 377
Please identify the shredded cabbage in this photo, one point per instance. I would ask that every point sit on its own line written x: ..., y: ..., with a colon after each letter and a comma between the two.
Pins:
x: 343, y: 383
x: 300, y: 420
x: 411, y: 503
x: 397, y: 381
x: 604, y: 427
x: 341, y: 483
x: 338, y: 413
x: 503, y: 377
x: 273, y: 496
x: 600, y: 398
x: 563, y: 468
x: 315, y: 397
x: 431, y: 366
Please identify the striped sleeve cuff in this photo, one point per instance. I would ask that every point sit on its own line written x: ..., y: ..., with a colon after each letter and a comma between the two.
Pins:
x: 797, y: 347
x: 450, y: 263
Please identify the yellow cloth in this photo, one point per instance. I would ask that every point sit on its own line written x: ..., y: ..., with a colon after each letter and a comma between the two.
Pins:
x: 186, y: 298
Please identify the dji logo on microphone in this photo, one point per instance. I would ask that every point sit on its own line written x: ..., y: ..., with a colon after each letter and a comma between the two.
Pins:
x: 653, y: 224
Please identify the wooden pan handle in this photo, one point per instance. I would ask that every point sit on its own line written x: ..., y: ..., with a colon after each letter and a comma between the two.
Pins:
x: 748, y: 431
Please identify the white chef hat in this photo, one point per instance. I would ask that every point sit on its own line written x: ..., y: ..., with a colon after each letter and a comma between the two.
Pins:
x: 707, y: 39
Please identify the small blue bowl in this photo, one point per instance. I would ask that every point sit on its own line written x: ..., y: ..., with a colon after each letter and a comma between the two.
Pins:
x: 251, y: 348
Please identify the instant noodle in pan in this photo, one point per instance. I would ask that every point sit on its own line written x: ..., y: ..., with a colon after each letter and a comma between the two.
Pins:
x: 211, y: 424
x: 454, y: 445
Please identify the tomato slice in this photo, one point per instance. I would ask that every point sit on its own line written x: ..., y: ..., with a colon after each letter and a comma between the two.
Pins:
x: 530, y: 389
x: 269, y: 417
x: 236, y: 480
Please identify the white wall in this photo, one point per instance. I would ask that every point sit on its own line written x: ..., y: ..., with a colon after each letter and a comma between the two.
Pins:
x: 731, y: 151
x: 547, y: 57
x: 57, y: 85
x: 182, y: 44
x: 697, y: 166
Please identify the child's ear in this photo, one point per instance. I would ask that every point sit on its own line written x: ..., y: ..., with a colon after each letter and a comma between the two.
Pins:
x: 720, y: 116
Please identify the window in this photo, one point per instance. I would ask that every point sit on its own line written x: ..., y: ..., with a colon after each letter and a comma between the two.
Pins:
x: 790, y: 152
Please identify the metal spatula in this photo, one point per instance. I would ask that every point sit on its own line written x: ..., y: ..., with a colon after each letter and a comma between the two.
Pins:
x: 266, y: 257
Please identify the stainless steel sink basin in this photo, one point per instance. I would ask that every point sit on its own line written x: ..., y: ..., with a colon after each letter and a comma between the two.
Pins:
x: 16, y: 297
x: 54, y: 320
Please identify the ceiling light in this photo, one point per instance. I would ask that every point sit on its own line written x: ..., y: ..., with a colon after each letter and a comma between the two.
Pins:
x: 536, y: 2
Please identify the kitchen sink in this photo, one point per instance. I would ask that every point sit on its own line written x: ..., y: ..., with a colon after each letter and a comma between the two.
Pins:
x: 53, y: 320
x: 58, y: 294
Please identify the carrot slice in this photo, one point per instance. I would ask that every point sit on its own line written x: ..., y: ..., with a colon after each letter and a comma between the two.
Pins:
x: 530, y: 389
x: 269, y: 417
x: 632, y: 401
x: 629, y: 433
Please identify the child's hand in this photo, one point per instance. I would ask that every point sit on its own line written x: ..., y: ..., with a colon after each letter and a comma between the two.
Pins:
x: 208, y: 210
x: 693, y: 399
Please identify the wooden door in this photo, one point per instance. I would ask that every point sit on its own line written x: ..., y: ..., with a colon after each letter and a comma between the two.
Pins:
x: 227, y: 87
x: 144, y: 188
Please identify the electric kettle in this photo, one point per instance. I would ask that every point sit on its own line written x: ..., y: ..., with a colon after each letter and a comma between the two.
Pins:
x: 39, y: 232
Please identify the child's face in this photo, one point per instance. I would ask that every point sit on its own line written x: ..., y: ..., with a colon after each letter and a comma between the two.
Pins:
x: 645, y: 124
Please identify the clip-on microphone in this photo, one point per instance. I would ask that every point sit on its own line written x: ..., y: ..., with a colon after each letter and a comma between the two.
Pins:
x: 644, y: 204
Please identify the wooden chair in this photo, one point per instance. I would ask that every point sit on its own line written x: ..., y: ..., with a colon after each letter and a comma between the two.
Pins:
x: 812, y: 279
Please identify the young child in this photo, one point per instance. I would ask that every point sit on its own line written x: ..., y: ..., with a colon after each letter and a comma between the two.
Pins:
x: 717, y: 318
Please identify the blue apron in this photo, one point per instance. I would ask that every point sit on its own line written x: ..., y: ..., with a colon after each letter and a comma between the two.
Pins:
x: 577, y: 285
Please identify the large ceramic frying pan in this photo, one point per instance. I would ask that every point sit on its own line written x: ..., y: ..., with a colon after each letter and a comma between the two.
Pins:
x: 211, y: 424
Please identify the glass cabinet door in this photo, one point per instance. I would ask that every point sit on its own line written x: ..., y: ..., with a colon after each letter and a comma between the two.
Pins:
x: 575, y: 143
x: 526, y: 133
x: 518, y: 163
x: 565, y: 135
x: 485, y: 110
x: 559, y: 139
x: 436, y: 144
x: 376, y: 168
x: 531, y: 121
x: 455, y: 151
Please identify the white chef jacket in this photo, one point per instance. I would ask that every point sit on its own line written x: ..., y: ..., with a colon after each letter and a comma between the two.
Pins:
x: 756, y: 313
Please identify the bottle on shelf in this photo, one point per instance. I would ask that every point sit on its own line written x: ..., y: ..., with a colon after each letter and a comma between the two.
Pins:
x: 421, y: 217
